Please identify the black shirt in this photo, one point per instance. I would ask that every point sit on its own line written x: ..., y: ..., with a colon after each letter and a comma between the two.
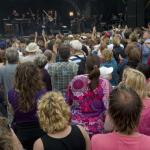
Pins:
x: 74, y: 141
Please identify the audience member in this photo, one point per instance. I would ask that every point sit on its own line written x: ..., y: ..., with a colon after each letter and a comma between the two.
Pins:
x: 125, y: 107
x: 41, y: 60
x: 8, y: 139
x: 23, y: 98
x: 88, y: 96
x: 7, y: 74
x: 54, y: 116
x: 109, y: 61
x: 137, y: 81
x: 62, y: 72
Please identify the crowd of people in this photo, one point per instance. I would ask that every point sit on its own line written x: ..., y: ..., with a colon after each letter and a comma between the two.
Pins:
x: 76, y: 92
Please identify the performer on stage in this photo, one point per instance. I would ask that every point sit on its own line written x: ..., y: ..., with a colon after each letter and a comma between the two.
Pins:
x: 14, y: 14
x: 50, y: 21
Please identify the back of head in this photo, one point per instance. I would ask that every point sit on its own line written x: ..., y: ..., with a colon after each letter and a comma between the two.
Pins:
x: 28, y: 82
x: 53, y: 112
x: 64, y: 52
x: 40, y: 60
x: 145, y: 69
x: 116, y: 41
x: 107, y: 54
x: 136, y: 80
x: 133, y: 53
x: 133, y: 37
x: 92, y: 67
x: 124, y: 109
x: 12, y: 55
x: 48, y: 54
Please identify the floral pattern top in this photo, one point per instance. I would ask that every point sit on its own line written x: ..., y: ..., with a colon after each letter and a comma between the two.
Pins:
x: 88, y: 106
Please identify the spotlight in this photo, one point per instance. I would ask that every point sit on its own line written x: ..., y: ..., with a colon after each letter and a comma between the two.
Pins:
x: 71, y: 13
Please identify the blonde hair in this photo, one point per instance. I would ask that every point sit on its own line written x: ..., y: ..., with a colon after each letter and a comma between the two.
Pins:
x: 107, y: 54
x: 136, y: 80
x: 116, y: 41
x: 53, y: 112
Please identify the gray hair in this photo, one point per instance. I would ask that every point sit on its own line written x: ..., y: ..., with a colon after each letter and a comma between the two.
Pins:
x: 40, y: 60
x: 48, y: 54
x: 12, y: 55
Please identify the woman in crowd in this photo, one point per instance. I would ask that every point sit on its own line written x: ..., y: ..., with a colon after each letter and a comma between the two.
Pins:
x: 133, y: 59
x: 41, y: 61
x: 145, y: 69
x: 87, y: 95
x: 48, y: 54
x: 8, y: 139
x: 137, y: 81
x: 125, y: 107
x: 54, y: 116
x: 109, y: 61
x: 23, y: 98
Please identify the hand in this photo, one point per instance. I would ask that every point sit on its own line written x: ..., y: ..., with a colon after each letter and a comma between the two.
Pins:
x: 36, y: 34
x: 43, y: 33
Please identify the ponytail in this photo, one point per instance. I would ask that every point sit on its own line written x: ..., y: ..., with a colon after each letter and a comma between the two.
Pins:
x: 94, y: 78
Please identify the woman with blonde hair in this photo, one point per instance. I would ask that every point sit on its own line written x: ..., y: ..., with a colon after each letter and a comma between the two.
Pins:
x: 54, y: 117
x: 137, y: 81
x: 109, y: 61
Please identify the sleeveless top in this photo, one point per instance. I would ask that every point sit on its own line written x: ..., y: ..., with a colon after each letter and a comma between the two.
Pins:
x: 74, y: 141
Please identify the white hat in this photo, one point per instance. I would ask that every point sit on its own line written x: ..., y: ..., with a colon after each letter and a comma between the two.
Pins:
x: 147, y: 41
x: 110, y: 47
x: 83, y: 37
x: 32, y: 47
x: 70, y: 36
x: 105, y: 71
x: 76, y: 44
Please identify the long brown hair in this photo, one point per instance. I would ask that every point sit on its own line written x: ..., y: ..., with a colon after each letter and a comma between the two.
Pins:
x: 27, y: 82
x: 92, y: 67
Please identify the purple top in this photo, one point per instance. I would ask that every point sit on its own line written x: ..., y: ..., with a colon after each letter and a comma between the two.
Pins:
x: 19, y: 116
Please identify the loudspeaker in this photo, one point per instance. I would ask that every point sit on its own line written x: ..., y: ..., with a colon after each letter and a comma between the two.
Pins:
x: 135, y: 13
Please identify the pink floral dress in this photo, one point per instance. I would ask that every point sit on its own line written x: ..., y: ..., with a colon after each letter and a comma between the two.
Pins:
x: 88, y: 106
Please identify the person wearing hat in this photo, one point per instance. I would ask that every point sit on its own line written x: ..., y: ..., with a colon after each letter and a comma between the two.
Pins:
x: 106, y: 72
x: 78, y: 56
x: 31, y: 51
x: 76, y: 51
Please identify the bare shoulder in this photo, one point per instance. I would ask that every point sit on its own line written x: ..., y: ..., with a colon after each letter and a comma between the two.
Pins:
x: 86, y: 136
x: 38, y: 145
x: 82, y: 129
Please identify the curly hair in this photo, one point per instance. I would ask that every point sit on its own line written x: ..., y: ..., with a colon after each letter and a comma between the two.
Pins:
x: 107, y: 54
x: 53, y: 112
x: 6, y: 141
x: 27, y: 82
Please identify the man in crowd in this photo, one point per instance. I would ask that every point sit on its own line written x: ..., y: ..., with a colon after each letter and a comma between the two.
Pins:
x: 62, y: 72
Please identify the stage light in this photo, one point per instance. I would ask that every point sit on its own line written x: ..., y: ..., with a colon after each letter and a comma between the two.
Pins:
x: 71, y: 13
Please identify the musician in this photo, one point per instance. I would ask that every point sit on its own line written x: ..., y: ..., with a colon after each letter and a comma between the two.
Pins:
x: 50, y: 22
x: 16, y: 27
x: 15, y: 14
